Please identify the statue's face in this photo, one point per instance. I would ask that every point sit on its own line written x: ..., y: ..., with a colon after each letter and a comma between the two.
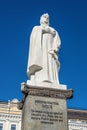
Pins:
x: 45, y: 19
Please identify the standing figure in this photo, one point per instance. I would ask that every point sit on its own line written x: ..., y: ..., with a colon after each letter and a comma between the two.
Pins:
x: 43, y: 64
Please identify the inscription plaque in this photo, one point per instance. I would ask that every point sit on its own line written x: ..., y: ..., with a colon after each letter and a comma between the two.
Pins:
x: 44, y: 113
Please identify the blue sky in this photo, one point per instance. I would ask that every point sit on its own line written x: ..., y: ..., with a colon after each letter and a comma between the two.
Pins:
x: 69, y: 18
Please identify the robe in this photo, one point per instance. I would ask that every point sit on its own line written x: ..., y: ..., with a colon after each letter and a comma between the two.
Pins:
x: 43, y: 65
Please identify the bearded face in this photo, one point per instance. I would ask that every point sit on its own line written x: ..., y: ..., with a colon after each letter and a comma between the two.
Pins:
x: 44, y: 19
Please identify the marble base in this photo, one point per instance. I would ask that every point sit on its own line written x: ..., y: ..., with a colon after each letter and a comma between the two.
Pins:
x: 47, y: 85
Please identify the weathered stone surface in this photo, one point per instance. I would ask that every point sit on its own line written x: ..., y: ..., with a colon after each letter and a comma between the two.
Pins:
x: 46, y: 92
x: 44, y: 113
x: 44, y: 108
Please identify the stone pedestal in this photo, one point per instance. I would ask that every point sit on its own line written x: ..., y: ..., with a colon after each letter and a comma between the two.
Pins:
x: 44, y: 108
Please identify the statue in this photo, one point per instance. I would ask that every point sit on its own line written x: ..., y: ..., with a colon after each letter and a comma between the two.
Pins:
x: 43, y: 95
x: 43, y: 65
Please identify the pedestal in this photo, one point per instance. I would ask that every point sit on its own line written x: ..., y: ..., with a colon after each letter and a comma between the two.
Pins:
x: 44, y: 108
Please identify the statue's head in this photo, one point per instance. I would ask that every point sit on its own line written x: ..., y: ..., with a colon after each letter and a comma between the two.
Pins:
x: 44, y: 19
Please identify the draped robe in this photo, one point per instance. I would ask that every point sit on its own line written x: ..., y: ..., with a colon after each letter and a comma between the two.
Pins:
x: 42, y: 65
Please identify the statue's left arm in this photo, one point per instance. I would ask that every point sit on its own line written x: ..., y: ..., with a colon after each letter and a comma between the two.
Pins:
x: 57, y: 43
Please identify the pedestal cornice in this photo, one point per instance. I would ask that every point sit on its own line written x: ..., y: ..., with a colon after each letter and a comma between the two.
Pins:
x: 44, y: 92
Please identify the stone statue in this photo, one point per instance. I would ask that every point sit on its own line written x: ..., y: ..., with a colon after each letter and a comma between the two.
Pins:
x: 43, y: 95
x: 43, y: 65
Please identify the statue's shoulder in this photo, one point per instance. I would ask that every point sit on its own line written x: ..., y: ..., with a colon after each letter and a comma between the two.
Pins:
x: 35, y: 28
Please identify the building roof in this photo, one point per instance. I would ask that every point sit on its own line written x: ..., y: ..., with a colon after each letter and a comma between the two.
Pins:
x: 77, y: 114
